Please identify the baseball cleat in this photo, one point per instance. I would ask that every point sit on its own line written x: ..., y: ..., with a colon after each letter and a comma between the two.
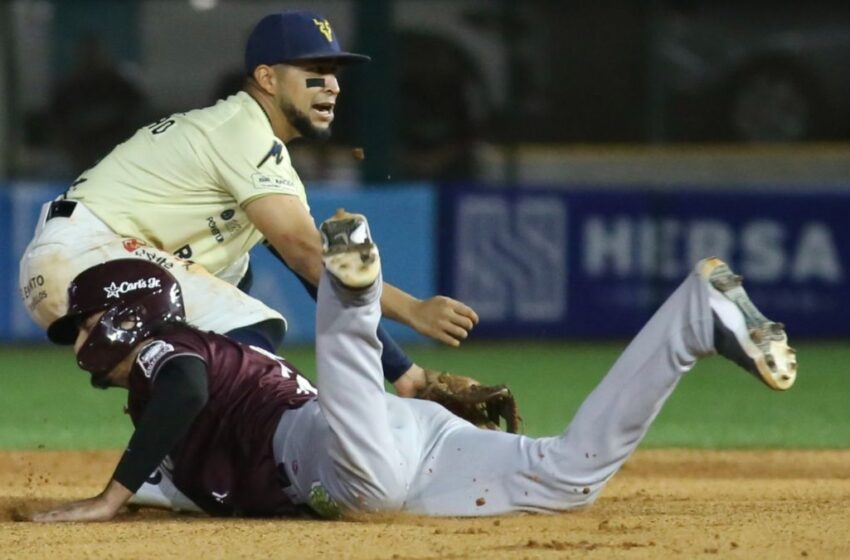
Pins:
x: 742, y: 334
x: 348, y: 251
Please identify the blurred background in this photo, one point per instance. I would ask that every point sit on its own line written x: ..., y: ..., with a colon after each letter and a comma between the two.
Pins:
x: 558, y: 165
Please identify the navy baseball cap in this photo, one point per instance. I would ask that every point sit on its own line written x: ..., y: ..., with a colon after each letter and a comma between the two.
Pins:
x: 293, y: 36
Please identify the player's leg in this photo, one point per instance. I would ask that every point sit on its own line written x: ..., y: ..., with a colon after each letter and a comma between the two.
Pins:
x: 370, y: 451
x: 64, y: 244
x: 709, y: 312
x: 568, y: 471
x: 480, y: 473
x: 70, y: 239
x: 370, y: 468
x: 238, y: 273
x: 394, y: 361
x: 472, y: 472
x: 617, y: 414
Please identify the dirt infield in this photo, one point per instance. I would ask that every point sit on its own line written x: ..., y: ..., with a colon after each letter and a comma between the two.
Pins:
x: 664, y: 504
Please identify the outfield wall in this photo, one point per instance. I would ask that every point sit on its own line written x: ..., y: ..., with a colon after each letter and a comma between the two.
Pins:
x: 575, y: 262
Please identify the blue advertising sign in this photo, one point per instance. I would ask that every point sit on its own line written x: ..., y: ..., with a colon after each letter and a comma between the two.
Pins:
x: 598, y: 264
x: 401, y: 219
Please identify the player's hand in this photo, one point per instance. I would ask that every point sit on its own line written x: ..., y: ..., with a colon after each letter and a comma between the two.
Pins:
x: 102, y: 507
x: 92, y: 509
x: 444, y: 319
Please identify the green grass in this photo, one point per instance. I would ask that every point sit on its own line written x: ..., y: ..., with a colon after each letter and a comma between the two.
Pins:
x: 45, y: 401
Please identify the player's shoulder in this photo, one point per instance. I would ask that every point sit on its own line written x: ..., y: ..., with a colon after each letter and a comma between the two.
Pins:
x: 238, y: 114
x: 179, y: 340
x: 238, y: 125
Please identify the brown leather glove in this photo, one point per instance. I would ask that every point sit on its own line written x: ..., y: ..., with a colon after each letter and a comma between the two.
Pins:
x: 485, y: 406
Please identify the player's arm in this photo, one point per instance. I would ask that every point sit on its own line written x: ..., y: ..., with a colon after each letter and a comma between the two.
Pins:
x: 263, y: 182
x: 289, y: 228
x: 179, y: 394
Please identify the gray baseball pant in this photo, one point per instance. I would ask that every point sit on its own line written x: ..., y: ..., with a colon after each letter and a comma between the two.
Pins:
x: 370, y: 451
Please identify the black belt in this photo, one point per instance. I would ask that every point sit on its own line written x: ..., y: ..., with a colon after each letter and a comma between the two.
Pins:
x: 60, y: 209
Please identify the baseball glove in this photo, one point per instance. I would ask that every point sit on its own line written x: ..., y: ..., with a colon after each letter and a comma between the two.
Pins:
x: 485, y: 406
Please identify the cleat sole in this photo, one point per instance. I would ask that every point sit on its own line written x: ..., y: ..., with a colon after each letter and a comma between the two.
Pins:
x: 767, y: 344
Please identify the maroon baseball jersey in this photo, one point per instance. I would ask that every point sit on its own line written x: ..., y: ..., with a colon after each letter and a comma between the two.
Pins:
x: 225, y: 463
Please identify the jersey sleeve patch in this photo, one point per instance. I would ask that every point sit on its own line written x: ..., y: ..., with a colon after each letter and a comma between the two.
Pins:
x: 274, y: 183
x: 151, y: 355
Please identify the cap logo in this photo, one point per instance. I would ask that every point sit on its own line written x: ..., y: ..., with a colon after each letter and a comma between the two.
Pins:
x: 325, y: 29
x: 115, y: 290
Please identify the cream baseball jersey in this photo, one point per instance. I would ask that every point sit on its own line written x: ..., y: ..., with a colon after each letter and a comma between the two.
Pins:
x: 182, y: 183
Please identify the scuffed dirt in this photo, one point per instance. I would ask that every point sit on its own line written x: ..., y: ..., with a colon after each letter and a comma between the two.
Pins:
x: 663, y: 504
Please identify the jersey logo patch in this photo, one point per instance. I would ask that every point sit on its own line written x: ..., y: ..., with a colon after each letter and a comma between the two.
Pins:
x: 151, y: 355
x: 265, y: 182
x: 276, y: 151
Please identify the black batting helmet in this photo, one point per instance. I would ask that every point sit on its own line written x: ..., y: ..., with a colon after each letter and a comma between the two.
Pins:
x: 137, y: 296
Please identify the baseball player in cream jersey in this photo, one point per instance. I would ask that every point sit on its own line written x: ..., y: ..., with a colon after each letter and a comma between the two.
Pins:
x: 248, y: 436
x: 175, y: 193
x: 195, y: 191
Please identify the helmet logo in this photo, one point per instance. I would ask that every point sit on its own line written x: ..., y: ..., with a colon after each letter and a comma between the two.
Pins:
x: 116, y: 290
x: 325, y: 28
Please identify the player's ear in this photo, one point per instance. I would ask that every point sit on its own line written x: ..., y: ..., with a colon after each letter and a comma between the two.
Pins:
x: 266, y: 78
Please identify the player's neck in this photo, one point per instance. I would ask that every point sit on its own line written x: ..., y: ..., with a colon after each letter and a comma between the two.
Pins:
x: 278, y: 121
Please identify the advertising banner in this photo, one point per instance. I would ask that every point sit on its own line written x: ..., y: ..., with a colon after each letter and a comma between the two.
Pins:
x: 549, y: 263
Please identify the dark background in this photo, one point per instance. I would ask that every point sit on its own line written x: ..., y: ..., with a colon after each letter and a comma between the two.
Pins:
x: 450, y: 79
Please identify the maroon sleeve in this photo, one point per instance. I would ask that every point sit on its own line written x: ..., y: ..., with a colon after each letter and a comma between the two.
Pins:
x: 179, y: 394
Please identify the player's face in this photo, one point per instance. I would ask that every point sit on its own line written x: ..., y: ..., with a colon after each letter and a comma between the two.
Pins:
x: 85, y: 327
x: 118, y: 376
x: 307, y: 93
